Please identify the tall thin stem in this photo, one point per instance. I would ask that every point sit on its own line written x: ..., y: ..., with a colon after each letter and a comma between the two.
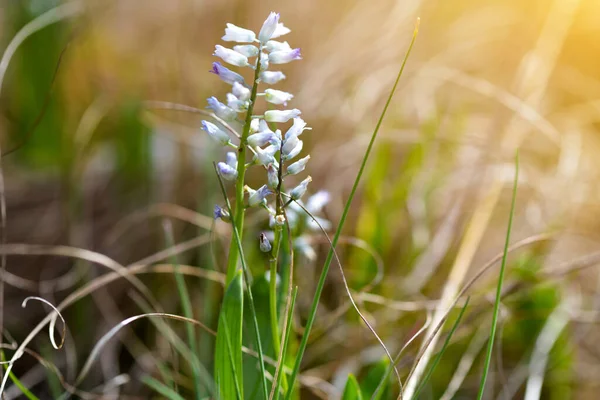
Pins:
x: 234, y: 253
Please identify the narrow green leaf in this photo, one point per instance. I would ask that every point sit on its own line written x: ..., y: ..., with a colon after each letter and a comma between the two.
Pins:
x: 437, y: 359
x: 371, y: 386
x: 488, y: 358
x: 161, y: 388
x: 352, y: 390
x: 228, y: 356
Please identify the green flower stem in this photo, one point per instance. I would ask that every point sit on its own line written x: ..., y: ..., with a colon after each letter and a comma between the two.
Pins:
x: 273, y: 290
x: 234, y: 253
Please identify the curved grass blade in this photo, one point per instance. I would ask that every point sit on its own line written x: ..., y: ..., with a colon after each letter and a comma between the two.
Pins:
x: 437, y: 359
x: 329, y: 259
x: 488, y: 358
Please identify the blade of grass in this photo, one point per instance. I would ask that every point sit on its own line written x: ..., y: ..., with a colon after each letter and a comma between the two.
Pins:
x: 246, y: 275
x: 186, y: 305
x: 488, y: 358
x: 161, y: 388
x: 329, y: 259
x: 437, y: 359
x: 352, y: 389
x: 286, y: 339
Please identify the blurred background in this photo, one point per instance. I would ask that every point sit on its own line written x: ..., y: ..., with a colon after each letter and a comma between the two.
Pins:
x: 98, y: 150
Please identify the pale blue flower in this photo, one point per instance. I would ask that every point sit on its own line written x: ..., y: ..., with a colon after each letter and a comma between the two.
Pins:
x: 235, y: 103
x: 295, y: 151
x: 289, y: 144
x: 297, y: 128
x: 281, y: 115
x: 298, y: 166
x: 216, y: 133
x: 231, y: 56
x: 273, y: 45
x: 227, y: 171
x: 236, y: 34
x: 226, y: 75
x: 247, y: 50
x: 264, y: 157
x: 240, y: 91
x: 265, y: 245
x: 231, y: 159
x: 317, y: 201
x: 271, y: 77
x: 262, y: 138
x: 272, y: 177
x: 257, y: 197
x: 284, y: 56
x: 280, y: 31
x: 269, y: 27
x: 278, y: 96
x: 221, y: 110
x: 299, y: 190
x: 221, y: 213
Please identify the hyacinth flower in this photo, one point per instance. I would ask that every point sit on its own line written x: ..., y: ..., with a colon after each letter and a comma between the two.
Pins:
x: 273, y: 137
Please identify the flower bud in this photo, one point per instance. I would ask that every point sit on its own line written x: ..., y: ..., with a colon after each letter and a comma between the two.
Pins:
x: 221, y: 213
x: 257, y: 197
x: 299, y: 190
x: 231, y: 56
x: 265, y: 245
x: 255, y: 125
x: 236, y: 34
x: 272, y: 177
x: 297, y: 128
x: 284, y: 56
x: 247, y: 50
x: 264, y: 157
x: 281, y: 115
x: 278, y: 96
x: 269, y: 27
x: 273, y: 45
x: 236, y: 104
x: 221, y: 110
x: 261, y: 139
x: 226, y: 74
x: 240, y: 91
x: 298, y: 166
x: 226, y: 171
x: 271, y: 77
x: 280, y: 31
x: 216, y: 133
x: 231, y: 159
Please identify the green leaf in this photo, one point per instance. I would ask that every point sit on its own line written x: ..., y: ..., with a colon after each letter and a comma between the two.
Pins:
x: 228, y: 354
x: 352, y: 390
x: 371, y: 382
